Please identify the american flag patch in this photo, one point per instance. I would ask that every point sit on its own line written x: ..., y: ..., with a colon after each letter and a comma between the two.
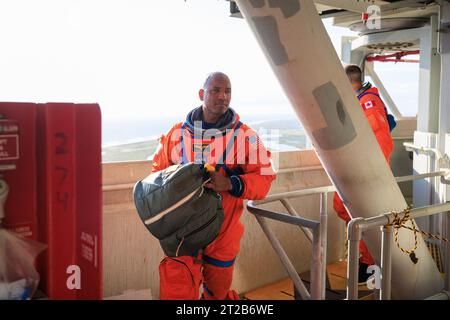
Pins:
x: 255, y: 141
x: 252, y: 139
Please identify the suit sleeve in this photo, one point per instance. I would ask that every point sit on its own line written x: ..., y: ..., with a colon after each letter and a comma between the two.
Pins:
x: 258, y: 173
x: 162, y: 158
x: 376, y: 116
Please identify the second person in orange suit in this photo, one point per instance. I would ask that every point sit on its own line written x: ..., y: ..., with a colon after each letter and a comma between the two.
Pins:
x: 211, y: 132
x: 381, y: 124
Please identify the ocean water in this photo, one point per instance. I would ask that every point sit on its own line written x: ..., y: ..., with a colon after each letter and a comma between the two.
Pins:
x: 116, y: 132
x: 119, y: 132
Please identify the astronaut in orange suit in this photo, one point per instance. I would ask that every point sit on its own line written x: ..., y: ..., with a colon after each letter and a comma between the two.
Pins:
x: 213, y: 134
x: 382, y: 124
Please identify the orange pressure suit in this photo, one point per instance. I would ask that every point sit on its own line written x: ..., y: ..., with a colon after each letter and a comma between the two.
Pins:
x: 376, y: 114
x: 248, y: 166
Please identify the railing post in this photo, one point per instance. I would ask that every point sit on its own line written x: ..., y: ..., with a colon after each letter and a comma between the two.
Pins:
x: 284, y: 259
x: 316, y: 275
x: 446, y: 226
x: 319, y: 253
x: 323, y: 241
x: 354, y: 237
x: 386, y: 263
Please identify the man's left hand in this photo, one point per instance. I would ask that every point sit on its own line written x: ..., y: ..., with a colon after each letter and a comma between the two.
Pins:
x: 219, y: 182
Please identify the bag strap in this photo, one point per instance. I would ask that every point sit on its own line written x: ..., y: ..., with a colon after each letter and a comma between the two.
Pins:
x: 221, y: 163
x: 223, y: 159
x: 184, y: 160
x: 366, y: 93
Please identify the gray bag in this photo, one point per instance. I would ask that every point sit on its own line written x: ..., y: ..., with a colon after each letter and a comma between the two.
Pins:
x: 178, y: 210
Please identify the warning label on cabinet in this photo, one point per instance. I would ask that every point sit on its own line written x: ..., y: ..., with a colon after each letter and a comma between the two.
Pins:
x: 9, y: 139
x: 9, y: 147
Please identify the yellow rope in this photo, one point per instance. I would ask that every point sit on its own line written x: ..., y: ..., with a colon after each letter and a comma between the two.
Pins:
x: 399, y: 222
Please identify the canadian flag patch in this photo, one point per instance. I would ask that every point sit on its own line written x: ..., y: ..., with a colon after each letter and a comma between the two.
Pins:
x: 368, y: 105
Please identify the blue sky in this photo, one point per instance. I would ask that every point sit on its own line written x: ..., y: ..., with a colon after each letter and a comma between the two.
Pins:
x: 146, y: 59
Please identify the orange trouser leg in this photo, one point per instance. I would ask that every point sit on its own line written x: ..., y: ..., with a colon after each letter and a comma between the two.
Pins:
x: 179, y: 278
x: 365, y: 256
x: 217, y: 282
x: 218, y: 262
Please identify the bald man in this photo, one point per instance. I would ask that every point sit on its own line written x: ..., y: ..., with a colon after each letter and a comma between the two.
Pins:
x: 212, y: 133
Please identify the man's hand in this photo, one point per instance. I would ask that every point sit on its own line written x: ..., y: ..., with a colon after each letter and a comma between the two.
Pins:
x: 219, y: 182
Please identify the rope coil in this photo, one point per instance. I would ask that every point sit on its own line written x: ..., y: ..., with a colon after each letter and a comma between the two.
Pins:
x: 399, y: 222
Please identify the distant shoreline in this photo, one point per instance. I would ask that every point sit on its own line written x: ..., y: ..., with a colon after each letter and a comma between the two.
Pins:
x: 288, y: 136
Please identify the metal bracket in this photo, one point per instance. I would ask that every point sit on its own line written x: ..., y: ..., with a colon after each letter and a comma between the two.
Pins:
x: 445, y: 179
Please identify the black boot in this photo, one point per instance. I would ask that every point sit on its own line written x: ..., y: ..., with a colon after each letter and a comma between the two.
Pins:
x: 363, y: 275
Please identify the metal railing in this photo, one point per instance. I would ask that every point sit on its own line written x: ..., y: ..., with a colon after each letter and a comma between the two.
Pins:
x: 316, y: 232
x: 358, y: 225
